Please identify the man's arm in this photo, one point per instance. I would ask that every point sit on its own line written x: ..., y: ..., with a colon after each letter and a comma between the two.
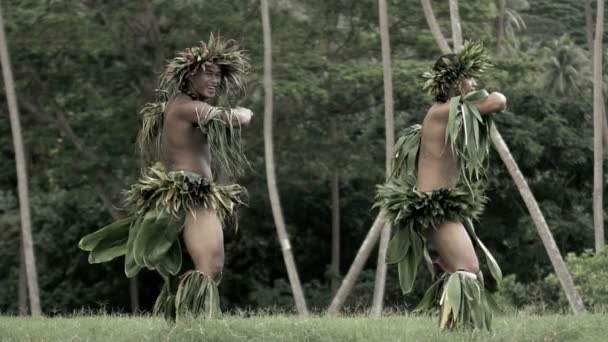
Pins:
x: 194, y: 111
x: 493, y: 103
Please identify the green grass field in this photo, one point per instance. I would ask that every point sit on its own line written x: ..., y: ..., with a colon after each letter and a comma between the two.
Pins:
x: 548, y: 328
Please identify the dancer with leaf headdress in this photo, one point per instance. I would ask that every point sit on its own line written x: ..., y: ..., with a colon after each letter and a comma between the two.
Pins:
x: 436, y: 191
x: 177, y: 199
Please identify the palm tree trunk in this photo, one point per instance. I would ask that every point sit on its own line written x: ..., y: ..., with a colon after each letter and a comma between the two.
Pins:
x: 589, y: 36
x: 500, y: 26
x: 355, y: 268
x: 598, y: 118
x: 589, y: 25
x: 22, y: 297
x: 275, y: 203
x: 434, y: 27
x: 22, y: 179
x: 335, y: 218
x: 539, y: 221
x: 456, y: 27
x: 389, y: 124
x: 87, y: 153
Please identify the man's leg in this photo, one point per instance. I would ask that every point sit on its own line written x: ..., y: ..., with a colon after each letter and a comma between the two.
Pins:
x: 204, y: 241
x: 458, y: 259
x: 197, y: 292
x: 455, y: 248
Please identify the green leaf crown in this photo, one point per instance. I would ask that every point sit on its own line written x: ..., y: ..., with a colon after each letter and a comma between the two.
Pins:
x: 472, y: 61
x: 228, y: 55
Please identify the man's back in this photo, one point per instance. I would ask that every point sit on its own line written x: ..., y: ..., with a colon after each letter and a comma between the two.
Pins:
x: 437, y: 165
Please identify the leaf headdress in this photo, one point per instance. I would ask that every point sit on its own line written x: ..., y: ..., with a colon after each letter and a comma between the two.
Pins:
x: 227, y: 55
x: 472, y: 61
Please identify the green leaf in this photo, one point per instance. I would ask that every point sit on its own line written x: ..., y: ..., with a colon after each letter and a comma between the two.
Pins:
x: 172, y: 260
x: 429, y: 296
x: 131, y: 266
x: 161, y: 236
x: 112, y: 232
x: 104, y: 253
x: 454, y: 293
x: 408, y: 266
x: 398, y: 246
x: 446, y: 309
x: 452, y: 129
x: 491, y: 262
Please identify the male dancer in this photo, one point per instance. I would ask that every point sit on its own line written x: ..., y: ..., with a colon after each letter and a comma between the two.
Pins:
x: 436, y: 190
x: 177, y: 198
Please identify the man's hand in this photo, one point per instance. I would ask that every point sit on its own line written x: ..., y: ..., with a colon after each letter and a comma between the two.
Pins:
x: 242, y: 115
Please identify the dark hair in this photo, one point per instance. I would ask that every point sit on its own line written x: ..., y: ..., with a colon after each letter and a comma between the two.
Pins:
x: 440, y: 65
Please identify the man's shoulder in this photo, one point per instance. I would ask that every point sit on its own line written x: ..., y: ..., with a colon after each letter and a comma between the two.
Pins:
x: 181, y: 104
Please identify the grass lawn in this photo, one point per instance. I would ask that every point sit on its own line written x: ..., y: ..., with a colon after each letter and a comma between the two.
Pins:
x: 523, y: 327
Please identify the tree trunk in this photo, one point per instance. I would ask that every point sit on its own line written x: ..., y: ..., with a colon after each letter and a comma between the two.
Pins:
x: 456, y: 27
x: 102, y: 192
x: 500, y: 26
x: 389, y: 124
x: 589, y: 25
x: 355, y: 268
x: 598, y: 118
x: 434, y: 27
x: 22, y: 299
x: 275, y: 203
x: 589, y: 36
x: 335, y: 217
x: 22, y: 179
x: 539, y: 222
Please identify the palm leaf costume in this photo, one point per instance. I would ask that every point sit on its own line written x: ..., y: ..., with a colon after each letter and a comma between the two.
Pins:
x: 461, y: 296
x: 160, y: 199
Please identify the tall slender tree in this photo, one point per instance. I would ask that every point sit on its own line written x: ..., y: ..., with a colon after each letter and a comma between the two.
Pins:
x: 589, y: 24
x: 86, y: 153
x: 22, y: 296
x: 589, y: 35
x: 389, y: 126
x: 351, y: 276
x: 431, y: 20
x: 456, y: 25
x: 598, y: 122
x: 275, y: 203
x: 500, y: 25
x: 335, y: 214
x: 22, y: 179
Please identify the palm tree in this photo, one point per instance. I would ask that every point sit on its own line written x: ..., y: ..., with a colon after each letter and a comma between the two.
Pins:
x: 508, y: 23
x: 390, y: 142
x: 22, y: 179
x: 434, y: 27
x: 598, y: 118
x: 275, y: 203
x: 351, y: 276
x: 566, y: 67
x: 335, y: 214
x: 456, y: 28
